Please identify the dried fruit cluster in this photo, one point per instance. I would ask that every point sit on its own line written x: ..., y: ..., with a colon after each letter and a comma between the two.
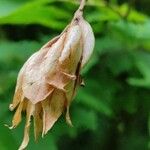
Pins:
x: 47, y: 82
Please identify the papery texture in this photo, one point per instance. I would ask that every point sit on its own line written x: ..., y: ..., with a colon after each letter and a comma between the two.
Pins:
x: 88, y: 40
x: 47, y: 82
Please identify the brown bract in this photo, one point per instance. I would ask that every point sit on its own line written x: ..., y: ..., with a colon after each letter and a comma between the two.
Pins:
x: 48, y: 80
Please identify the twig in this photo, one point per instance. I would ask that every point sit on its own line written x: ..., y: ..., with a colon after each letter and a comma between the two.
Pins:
x: 79, y: 11
x: 82, y: 5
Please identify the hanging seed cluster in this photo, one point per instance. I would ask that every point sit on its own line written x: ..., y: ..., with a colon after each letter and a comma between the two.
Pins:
x: 48, y: 80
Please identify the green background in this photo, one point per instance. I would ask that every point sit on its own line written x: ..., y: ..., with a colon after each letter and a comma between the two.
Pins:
x: 112, y: 112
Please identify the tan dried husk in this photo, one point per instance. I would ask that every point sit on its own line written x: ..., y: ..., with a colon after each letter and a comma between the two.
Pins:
x: 48, y: 80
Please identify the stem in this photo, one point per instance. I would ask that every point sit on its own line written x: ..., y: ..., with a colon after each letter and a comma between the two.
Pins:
x: 82, y: 5
x: 79, y: 11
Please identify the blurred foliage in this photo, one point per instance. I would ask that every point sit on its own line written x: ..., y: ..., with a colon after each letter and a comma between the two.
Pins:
x: 113, y: 110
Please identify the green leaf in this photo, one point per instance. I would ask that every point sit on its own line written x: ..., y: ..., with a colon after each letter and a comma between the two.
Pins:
x: 142, y: 62
x: 133, y: 15
x: 133, y: 35
x: 43, y: 14
x: 94, y: 102
x: 86, y: 119
x: 9, y: 6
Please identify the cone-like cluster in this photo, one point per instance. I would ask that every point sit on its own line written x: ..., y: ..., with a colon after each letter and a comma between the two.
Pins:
x: 48, y: 80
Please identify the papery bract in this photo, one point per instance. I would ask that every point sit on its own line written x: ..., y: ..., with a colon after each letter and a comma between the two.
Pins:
x: 48, y: 80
